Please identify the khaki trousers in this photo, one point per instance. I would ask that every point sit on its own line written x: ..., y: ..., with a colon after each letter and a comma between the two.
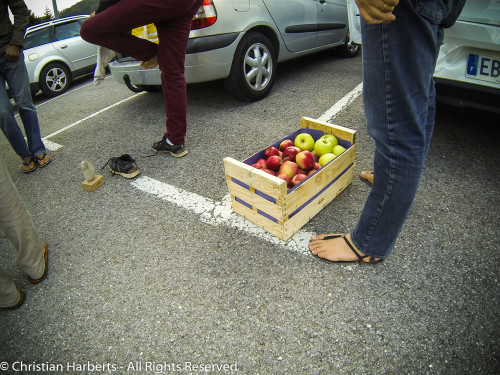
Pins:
x: 19, y: 229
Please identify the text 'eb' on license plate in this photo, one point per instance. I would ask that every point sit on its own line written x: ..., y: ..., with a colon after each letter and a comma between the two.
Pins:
x: 484, y: 68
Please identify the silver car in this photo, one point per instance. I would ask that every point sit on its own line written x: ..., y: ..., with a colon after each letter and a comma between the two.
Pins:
x: 468, y: 67
x: 242, y: 41
x: 55, y: 54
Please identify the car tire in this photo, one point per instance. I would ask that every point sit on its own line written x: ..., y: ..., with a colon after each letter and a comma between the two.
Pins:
x: 252, y: 82
x: 54, y: 79
x: 349, y: 49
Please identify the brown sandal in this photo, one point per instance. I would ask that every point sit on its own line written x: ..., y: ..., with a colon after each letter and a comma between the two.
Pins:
x: 42, y: 159
x: 29, y: 165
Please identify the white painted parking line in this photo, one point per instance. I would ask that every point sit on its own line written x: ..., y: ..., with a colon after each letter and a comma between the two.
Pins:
x: 342, y: 104
x: 217, y: 213
x: 221, y: 213
x: 92, y: 115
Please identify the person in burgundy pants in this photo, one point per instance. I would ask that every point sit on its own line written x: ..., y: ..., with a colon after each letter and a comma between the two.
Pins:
x: 110, y: 28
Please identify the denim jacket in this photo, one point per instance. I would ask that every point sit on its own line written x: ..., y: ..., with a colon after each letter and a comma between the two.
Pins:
x: 440, y: 12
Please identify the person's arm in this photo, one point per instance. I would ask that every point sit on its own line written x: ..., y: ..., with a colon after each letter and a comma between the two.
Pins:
x: 21, y: 19
x: 377, y: 11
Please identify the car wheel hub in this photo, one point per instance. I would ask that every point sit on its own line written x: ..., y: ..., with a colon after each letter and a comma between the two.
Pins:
x: 56, y: 79
x: 258, y: 66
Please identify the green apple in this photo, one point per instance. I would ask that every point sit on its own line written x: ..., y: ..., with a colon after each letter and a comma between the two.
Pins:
x: 337, y: 150
x: 326, y: 158
x: 304, y: 141
x: 331, y: 138
x: 323, y: 146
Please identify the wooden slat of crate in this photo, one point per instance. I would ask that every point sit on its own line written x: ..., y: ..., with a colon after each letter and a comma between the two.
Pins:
x: 315, y: 183
x: 254, y: 177
x: 337, y: 130
x: 297, y: 221
x: 275, y: 228
x: 258, y: 203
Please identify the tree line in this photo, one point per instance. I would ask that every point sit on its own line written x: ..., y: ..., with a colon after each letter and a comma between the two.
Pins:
x: 82, y: 7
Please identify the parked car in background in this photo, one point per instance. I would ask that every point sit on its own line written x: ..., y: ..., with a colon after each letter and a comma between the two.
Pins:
x: 55, y: 54
x: 468, y: 67
x: 241, y: 42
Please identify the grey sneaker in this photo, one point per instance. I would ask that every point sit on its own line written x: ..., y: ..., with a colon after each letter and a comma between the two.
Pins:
x: 175, y: 150
x: 124, y: 166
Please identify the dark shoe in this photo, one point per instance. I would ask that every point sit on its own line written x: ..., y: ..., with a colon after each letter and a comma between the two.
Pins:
x: 45, y: 257
x: 124, y: 166
x: 42, y: 160
x: 18, y: 304
x: 29, y: 164
x: 175, y: 150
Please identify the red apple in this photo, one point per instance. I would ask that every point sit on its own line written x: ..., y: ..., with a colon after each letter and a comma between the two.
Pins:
x: 317, y: 166
x: 298, y: 178
x: 274, y: 162
x: 305, y: 160
x: 290, y: 153
x: 286, y: 143
x: 271, y: 151
x: 261, y: 163
x: 285, y: 178
x: 289, y: 168
x: 301, y: 171
x: 311, y: 172
x: 267, y: 170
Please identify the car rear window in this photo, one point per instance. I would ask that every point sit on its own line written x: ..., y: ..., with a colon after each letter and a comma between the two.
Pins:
x: 67, y: 30
x: 37, y: 38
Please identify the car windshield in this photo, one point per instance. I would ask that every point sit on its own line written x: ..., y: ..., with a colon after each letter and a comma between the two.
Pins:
x: 482, y: 11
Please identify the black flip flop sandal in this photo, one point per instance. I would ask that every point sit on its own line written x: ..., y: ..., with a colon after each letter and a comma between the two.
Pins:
x: 361, y: 258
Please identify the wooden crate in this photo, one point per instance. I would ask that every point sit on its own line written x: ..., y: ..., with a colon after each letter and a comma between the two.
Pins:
x: 265, y: 200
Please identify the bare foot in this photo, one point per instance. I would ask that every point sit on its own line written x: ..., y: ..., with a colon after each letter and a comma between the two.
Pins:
x: 335, y: 249
x: 367, y: 176
x: 150, y: 64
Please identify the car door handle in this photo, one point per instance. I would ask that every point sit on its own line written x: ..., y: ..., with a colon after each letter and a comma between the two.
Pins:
x: 322, y: 1
x: 64, y: 46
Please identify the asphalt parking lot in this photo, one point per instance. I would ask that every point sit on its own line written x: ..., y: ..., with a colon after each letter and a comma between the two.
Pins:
x: 157, y: 275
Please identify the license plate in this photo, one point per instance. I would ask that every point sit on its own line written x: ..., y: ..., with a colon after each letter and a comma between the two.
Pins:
x: 484, y: 68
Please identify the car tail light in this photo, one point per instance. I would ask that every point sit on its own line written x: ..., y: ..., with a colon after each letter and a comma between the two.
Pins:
x: 206, y: 16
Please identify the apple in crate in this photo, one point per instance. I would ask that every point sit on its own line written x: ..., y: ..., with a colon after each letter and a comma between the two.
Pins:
x: 330, y: 137
x: 338, y: 149
x: 323, y: 146
x: 260, y: 164
x: 284, y: 177
x: 286, y: 143
x: 305, y: 160
x: 298, y: 178
x: 326, y: 158
x: 288, y: 168
x: 271, y: 151
x: 304, y: 141
x: 290, y: 153
x: 273, y: 162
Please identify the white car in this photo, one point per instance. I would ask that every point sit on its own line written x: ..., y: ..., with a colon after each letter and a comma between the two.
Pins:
x: 468, y: 67
x: 242, y: 41
x: 55, y: 54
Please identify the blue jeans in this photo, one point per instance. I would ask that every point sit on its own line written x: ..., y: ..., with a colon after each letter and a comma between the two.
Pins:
x: 15, y: 74
x: 399, y: 99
